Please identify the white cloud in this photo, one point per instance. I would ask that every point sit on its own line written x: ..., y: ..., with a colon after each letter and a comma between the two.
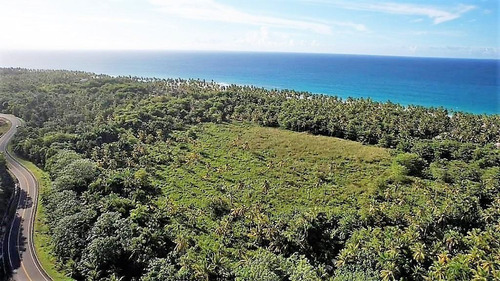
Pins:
x: 107, y: 19
x: 468, y: 51
x: 213, y: 11
x: 263, y: 39
x: 437, y: 14
x: 267, y: 39
x: 448, y: 33
x: 356, y: 26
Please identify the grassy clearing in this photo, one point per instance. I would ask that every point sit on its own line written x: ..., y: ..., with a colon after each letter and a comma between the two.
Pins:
x: 268, y: 177
x: 284, y: 171
x: 43, y: 245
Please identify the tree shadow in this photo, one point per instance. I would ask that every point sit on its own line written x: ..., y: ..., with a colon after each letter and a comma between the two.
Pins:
x: 26, y: 200
x: 15, y: 242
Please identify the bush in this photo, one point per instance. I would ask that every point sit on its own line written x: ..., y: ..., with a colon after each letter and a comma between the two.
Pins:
x: 410, y: 164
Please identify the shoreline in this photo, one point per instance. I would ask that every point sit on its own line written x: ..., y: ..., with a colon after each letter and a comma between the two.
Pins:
x: 344, y: 91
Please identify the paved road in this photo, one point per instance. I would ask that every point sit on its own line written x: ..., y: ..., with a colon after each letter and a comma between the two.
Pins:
x: 18, y: 249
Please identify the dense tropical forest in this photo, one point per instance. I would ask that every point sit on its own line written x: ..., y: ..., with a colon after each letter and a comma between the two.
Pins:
x: 169, y: 179
x: 6, y: 188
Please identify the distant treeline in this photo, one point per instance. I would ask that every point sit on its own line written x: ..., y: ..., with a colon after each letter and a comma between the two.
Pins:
x: 435, y: 216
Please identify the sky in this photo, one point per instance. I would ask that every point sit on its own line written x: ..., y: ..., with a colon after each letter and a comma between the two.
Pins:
x: 444, y: 28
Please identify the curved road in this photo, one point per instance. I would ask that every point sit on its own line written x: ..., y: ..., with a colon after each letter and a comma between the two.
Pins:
x: 17, y: 248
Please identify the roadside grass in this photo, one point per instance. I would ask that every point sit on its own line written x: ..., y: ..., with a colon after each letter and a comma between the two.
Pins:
x: 43, y: 244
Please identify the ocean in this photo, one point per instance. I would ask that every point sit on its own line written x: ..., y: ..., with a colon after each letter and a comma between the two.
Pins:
x: 469, y: 85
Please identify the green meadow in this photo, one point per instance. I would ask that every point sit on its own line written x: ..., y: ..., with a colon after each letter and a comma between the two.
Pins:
x: 279, y: 170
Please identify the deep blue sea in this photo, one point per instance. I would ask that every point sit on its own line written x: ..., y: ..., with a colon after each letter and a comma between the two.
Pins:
x: 457, y: 84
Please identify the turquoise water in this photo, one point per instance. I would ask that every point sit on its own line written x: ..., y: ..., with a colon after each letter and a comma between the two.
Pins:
x: 456, y: 84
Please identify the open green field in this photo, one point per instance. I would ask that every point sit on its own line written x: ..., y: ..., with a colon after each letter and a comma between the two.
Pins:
x: 282, y: 170
x: 234, y: 186
x: 240, y: 183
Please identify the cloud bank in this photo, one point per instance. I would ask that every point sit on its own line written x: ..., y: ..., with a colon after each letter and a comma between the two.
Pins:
x: 210, y: 10
x: 437, y: 14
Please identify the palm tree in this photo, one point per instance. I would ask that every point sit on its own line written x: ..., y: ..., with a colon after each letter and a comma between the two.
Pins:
x: 181, y: 244
x: 418, y: 252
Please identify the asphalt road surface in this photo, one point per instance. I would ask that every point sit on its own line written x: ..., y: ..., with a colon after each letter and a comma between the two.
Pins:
x: 17, y: 247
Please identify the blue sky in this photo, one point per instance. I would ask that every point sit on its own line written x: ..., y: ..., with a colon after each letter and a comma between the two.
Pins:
x: 405, y: 28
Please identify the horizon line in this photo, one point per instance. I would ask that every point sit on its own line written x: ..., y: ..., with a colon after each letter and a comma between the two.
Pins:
x: 242, y: 51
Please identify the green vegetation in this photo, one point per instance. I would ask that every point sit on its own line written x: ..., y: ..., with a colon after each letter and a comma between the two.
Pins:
x: 6, y: 192
x: 283, y: 171
x: 6, y: 181
x: 6, y: 186
x: 187, y: 180
x: 4, y: 126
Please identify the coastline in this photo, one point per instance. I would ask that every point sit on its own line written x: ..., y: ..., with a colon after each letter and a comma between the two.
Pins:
x: 465, y: 85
